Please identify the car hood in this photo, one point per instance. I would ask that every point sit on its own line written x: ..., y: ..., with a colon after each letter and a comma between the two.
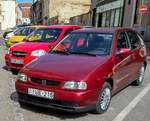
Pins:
x: 30, y: 46
x: 15, y: 39
x: 65, y: 66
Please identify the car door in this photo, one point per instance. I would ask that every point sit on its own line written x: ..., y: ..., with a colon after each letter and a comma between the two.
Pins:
x: 122, y: 62
x: 137, y: 51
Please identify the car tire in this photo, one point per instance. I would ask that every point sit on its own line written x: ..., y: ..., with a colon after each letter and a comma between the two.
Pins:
x: 104, y: 99
x: 140, y: 78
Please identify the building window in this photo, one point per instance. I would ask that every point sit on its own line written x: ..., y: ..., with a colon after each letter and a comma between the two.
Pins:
x: 110, y: 14
x: 103, y: 19
x: 111, y: 18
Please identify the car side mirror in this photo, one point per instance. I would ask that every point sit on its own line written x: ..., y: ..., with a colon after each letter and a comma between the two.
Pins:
x: 123, y: 51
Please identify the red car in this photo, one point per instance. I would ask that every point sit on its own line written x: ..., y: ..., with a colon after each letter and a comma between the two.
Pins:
x: 36, y: 45
x: 84, y: 70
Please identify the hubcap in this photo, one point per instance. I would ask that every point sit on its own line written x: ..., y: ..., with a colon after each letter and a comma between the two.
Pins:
x: 105, y: 98
x: 141, y: 76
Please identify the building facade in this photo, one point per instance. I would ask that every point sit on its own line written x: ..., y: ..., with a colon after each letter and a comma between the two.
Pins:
x: 18, y: 14
x: 124, y: 13
x: 25, y: 9
x: 37, y: 12
x: 121, y: 13
x: 7, y: 14
x: 82, y: 20
x: 58, y: 11
x: 109, y: 13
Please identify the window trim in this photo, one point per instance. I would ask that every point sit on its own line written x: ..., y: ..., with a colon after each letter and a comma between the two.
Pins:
x: 131, y: 31
x: 128, y: 42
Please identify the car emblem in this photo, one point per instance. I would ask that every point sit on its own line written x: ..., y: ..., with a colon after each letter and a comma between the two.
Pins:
x: 44, y: 82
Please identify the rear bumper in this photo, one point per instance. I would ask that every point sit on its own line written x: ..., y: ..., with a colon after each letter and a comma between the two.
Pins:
x: 54, y: 104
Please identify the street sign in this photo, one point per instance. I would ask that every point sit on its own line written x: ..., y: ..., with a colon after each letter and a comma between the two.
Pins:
x: 143, y: 9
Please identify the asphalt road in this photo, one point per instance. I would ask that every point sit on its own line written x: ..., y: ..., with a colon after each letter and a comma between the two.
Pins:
x: 131, y: 104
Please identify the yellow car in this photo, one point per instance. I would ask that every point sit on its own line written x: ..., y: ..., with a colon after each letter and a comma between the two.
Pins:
x: 21, y: 34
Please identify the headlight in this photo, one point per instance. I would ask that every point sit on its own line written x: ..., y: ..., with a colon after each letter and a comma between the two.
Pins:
x: 22, y: 77
x: 38, y: 53
x: 73, y: 85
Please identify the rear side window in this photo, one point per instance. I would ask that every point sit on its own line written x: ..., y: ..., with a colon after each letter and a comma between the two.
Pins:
x: 134, y: 40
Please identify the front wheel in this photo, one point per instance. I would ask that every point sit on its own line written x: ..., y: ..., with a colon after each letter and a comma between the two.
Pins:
x: 140, y: 78
x: 104, y: 99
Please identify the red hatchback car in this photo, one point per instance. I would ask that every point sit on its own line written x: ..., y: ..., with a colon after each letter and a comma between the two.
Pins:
x: 84, y: 70
x: 36, y: 45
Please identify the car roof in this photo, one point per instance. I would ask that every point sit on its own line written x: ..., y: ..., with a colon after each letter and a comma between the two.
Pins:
x: 63, y: 26
x: 36, y: 26
x: 102, y: 30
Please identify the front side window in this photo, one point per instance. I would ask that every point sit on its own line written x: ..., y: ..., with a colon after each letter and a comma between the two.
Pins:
x: 86, y: 43
x: 134, y: 40
x: 122, y: 41
x: 44, y: 35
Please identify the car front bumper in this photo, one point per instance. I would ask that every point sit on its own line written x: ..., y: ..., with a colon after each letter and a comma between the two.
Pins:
x: 26, y: 60
x: 72, y: 101
x: 54, y: 104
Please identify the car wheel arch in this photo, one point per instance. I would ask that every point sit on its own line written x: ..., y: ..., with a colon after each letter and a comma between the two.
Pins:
x: 111, y: 82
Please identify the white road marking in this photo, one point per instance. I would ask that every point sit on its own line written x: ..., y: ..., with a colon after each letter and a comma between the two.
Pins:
x: 132, y: 104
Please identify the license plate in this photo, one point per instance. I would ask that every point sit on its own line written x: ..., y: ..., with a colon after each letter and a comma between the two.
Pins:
x: 41, y: 93
x: 16, y: 61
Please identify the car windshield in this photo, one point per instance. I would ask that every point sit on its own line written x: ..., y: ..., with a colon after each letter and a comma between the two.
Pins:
x: 24, y: 31
x: 44, y: 35
x: 97, y: 44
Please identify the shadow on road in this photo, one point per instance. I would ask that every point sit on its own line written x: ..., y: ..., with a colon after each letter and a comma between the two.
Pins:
x: 6, y: 68
x: 14, y: 72
x: 45, y: 111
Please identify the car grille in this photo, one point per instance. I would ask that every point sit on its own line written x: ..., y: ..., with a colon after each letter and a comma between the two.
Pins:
x: 45, y: 82
x: 19, y: 53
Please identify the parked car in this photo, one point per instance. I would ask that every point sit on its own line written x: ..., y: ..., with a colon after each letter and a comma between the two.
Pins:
x: 36, y: 45
x: 84, y: 70
x: 11, y: 32
x: 8, y: 34
x: 20, y: 34
x: 20, y: 26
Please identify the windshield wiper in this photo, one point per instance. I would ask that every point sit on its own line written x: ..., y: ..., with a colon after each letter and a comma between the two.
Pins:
x: 81, y: 53
x: 61, y: 52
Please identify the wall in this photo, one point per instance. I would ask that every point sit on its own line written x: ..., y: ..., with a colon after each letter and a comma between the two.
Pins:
x: 18, y: 15
x: 8, y: 14
x: 46, y: 11
x: 64, y: 9
x: 129, y: 13
x: 82, y: 20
